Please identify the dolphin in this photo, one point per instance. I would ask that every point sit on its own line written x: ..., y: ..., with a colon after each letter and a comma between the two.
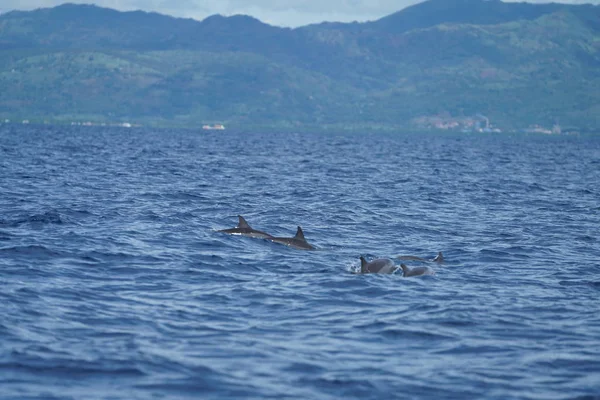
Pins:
x: 244, y: 229
x: 406, y: 271
x: 297, y: 242
x: 438, y: 259
x: 377, y: 266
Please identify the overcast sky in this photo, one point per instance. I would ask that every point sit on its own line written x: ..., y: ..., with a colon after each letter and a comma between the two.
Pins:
x: 275, y: 12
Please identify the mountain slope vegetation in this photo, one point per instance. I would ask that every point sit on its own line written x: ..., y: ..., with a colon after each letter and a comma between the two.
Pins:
x: 516, y: 63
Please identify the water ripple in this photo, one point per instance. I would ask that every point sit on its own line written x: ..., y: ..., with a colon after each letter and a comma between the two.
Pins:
x: 116, y: 283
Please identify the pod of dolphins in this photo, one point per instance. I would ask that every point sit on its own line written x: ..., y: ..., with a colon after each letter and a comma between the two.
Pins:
x: 376, y: 266
x: 244, y: 229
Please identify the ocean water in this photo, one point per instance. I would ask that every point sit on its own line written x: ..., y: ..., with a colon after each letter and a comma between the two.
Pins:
x: 115, y: 284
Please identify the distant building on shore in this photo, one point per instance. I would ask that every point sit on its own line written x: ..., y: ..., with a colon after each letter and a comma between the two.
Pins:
x: 444, y: 121
x: 556, y: 129
x: 538, y: 129
x: 215, y: 127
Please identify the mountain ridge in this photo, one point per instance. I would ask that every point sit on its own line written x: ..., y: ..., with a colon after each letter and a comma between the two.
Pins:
x: 539, y: 65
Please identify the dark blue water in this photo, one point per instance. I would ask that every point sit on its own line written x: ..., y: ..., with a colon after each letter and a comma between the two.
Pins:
x: 114, y: 283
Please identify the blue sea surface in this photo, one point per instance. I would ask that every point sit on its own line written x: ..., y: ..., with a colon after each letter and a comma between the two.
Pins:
x: 115, y: 284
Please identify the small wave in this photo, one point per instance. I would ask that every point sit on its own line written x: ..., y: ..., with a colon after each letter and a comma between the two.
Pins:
x: 592, y: 284
x: 586, y: 238
x: 149, y: 153
x: 488, y: 255
x: 462, y: 348
x: 536, y: 187
x: 31, y: 250
x: 201, y: 384
x: 98, y: 256
x: 69, y: 369
x: 80, y: 213
x: 184, y: 195
x: 304, y: 367
x: 412, y: 335
x: 50, y: 217
x: 350, y: 387
x: 584, y: 191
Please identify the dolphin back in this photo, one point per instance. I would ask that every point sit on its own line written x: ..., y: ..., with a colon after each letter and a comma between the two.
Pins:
x: 296, y: 242
x: 244, y: 229
x: 417, y: 271
x: 377, y: 266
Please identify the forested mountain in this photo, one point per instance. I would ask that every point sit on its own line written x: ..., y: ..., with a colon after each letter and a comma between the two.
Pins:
x: 515, y: 63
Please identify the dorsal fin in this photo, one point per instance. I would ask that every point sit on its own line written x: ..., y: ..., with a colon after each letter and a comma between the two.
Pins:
x: 405, y: 269
x: 242, y: 223
x: 300, y: 235
x: 439, y: 258
x: 363, y: 265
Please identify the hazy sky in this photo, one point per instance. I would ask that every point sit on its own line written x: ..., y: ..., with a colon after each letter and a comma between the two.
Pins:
x: 275, y: 12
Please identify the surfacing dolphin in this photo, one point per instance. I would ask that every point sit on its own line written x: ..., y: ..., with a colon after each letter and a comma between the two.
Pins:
x: 438, y: 259
x: 297, y: 242
x: 377, y: 266
x: 246, y: 230
x: 417, y: 271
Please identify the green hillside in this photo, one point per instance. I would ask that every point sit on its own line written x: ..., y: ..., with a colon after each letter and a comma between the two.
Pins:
x: 516, y: 63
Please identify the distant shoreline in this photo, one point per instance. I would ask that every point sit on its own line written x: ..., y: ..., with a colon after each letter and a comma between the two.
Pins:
x: 275, y: 128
